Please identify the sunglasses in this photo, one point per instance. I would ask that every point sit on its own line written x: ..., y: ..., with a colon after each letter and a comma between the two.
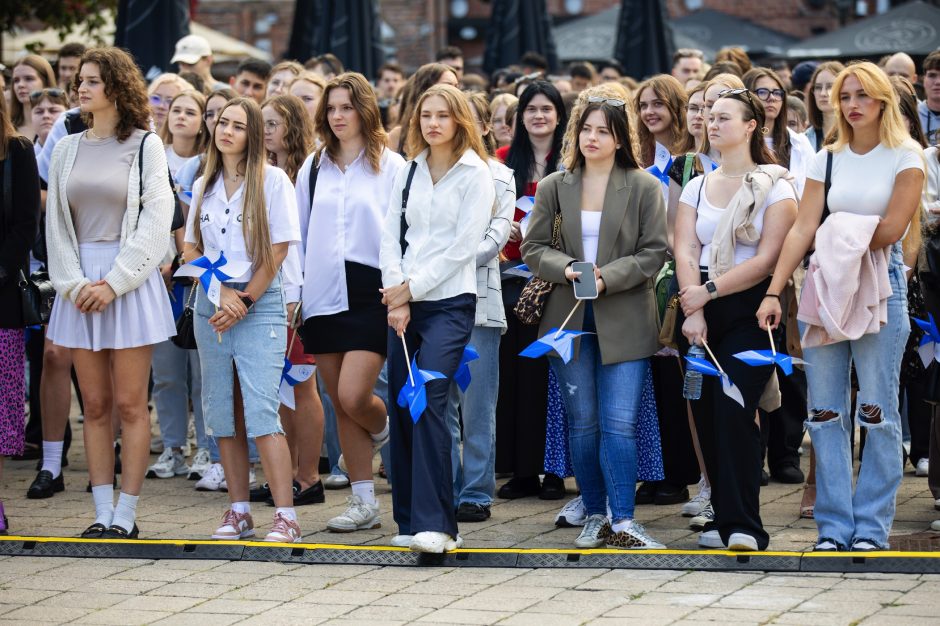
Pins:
x: 157, y: 100
x: 764, y: 94
x: 611, y: 101
x: 738, y: 92
x: 52, y: 92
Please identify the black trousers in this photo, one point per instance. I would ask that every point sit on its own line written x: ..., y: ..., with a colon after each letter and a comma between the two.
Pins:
x: 728, y: 435
x: 679, y: 462
x: 782, y: 430
x: 423, y: 491
x: 522, y: 404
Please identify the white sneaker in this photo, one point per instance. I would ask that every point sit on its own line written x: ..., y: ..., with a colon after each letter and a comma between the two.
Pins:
x: 402, y: 541
x: 633, y: 537
x: 171, y: 463
x: 572, y: 514
x: 200, y: 464
x: 358, y: 516
x: 711, y: 540
x: 377, y: 445
x: 742, y: 542
x: 699, y: 521
x: 935, y: 525
x: 434, y: 542
x: 212, y: 478
x: 252, y: 481
x: 923, y: 465
x: 595, y: 532
x: 336, y: 481
x: 699, y: 501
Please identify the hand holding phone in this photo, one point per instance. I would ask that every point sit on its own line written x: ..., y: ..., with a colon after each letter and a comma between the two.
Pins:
x: 585, y: 285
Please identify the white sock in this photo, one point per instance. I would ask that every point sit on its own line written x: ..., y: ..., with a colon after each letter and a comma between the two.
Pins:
x: 52, y: 457
x: 241, y: 507
x: 125, y: 513
x: 365, y: 489
x: 382, y: 434
x: 104, y: 504
x: 622, y: 525
x: 288, y: 512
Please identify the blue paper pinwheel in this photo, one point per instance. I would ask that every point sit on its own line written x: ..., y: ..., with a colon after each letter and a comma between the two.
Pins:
x: 291, y: 375
x: 462, y: 377
x: 929, y: 349
x: 413, y: 395
x: 757, y: 358
x: 212, y: 270
x: 561, y: 342
x: 729, y: 388
x: 661, y: 164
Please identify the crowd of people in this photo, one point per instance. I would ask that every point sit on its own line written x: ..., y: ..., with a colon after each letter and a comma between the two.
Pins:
x: 306, y: 269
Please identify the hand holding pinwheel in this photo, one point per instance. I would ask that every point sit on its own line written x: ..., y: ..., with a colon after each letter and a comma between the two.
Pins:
x: 557, y: 339
x: 701, y: 365
x: 757, y: 358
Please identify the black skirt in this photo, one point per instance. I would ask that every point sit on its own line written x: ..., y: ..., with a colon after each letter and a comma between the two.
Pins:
x: 363, y: 327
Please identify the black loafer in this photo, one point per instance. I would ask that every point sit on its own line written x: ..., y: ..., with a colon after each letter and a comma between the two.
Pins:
x: 260, y: 494
x: 520, y: 488
x: 788, y: 474
x: 117, y: 532
x: 667, y: 493
x: 764, y: 478
x: 553, y: 488
x: 473, y: 512
x: 94, y: 531
x: 311, y: 495
x: 646, y: 492
x: 44, y: 485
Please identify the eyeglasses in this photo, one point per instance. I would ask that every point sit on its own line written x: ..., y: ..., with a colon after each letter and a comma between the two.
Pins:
x: 157, y: 100
x: 764, y: 94
x: 53, y: 92
x: 271, y: 126
x: 821, y: 88
x: 611, y: 101
x: 694, y: 110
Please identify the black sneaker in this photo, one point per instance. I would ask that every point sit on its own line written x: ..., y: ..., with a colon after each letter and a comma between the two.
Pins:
x: 553, y: 488
x: 764, y: 478
x: 520, y: 488
x: 788, y: 474
x: 646, y: 492
x: 45, y: 486
x: 473, y: 512
x: 670, y: 494
x: 260, y: 494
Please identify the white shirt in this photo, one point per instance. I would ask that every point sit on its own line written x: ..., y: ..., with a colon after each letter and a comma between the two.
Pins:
x: 802, y: 153
x: 708, y: 216
x: 932, y: 188
x: 590, y: 233
x: 343, y: 223
x: 221, y: 217
x: 863, y: 183
x: 446, y: 222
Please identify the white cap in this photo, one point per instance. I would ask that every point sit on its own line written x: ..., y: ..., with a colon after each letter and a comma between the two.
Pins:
x: 190, y: 49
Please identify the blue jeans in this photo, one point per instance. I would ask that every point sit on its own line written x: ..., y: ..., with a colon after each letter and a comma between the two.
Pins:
x: 869, y: 512
x: 603, y: 404
x: 176, y: 379
x: 475, y: 479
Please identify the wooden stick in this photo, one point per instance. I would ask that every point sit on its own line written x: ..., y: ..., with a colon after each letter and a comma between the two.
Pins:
x: 219, y: 335
x: 711, y: 354
x: 562, y: 327
x: 293, y: 322
x: 404, y: 345
x: 770, y: 334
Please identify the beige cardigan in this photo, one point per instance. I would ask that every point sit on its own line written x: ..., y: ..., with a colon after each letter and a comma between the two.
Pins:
x: 143, y: 232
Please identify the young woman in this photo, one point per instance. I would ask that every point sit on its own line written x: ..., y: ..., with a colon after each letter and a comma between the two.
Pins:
x: 498, y: 106
x: 342, y: 309
x: 603, y: 185
x: 309, y: 88
x: 429, y: 245
x: 19, y: 183
x: 47, y: 105
x: 522, y: 410
x: 161, y: 92
x: 427, y: 76
x: 723, y: 273
x: 709, y: 156
x: 474, y: 470
x: 820, y: 111
x: 877, y: 170
x: 105, y: 240
x: 288, y: 138
x: 30, y: 74
x: 660, y: 106
x: 245, y: 209
x: 281, y: 77
x: 176, y: 377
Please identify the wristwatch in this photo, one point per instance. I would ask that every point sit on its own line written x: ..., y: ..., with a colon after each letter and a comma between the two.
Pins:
x: 248, y: 301
x: 712, y: 289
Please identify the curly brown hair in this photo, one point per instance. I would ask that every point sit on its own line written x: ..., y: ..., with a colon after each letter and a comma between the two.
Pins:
x: 298, y: 138
x: 124, y: 85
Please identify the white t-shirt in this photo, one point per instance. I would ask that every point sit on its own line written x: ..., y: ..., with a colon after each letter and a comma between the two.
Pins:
x: 863, y: 183
x: 174, y: 161
x: 590, y: 233
x: 709, y: 215
x: 221, y: 216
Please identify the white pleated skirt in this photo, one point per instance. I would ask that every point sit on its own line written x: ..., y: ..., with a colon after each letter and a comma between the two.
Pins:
x: 138, y: 318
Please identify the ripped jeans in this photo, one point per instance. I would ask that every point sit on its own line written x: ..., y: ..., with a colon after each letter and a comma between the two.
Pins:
x: 868, y: 512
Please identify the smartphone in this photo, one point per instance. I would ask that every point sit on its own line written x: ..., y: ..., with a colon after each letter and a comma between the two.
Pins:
x: 585, y: 286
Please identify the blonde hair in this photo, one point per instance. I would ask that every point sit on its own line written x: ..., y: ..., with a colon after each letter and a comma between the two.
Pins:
x: 202, y: 138
x: 255, y: 225
x: 169, y: 78
x: 312, y: 78
x: 502, y: 100
x: 466, y: 137
x: 295, y: 68
x: 44, y: 70
x: 893, y: 131
x: 477, y: 99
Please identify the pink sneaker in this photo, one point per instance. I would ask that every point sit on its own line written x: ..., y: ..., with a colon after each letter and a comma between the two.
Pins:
x: 235, y: 526
x: 283, y: 530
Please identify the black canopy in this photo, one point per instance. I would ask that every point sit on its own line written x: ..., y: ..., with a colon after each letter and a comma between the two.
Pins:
x: 715, y: 30
x: 517, y: 27
x: 149, y: 29
x: 350, y: 29
x: 644, y: 40
x: 913, y: 28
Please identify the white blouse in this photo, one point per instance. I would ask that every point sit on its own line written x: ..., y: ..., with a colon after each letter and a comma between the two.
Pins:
x: 446, y: 222
x: 343, y: 222
x: 221, y: 217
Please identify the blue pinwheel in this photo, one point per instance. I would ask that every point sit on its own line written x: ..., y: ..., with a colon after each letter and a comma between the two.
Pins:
x: 462, y: 377
x: 704, y: 367
x: 661, y: 164
x: 929, y: 349
x: 209, y: 270
x: 413, y: 395
x: 757, y: 358
x: 521, y: 271
x: 291, y: 376
x: 557, y: 339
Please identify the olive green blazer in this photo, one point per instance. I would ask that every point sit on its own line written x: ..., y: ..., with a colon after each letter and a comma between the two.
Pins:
x: 631, y: 250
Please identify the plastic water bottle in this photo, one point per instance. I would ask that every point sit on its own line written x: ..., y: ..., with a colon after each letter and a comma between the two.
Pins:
x: 692, y: 385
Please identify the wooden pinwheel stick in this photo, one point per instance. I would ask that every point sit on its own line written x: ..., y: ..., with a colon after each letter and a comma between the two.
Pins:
x: 773, y: 348
x: 712, y: 355
x: 293, y: 326
x: 218, y: 335
x: 567, y: 319
x: 404, y: 345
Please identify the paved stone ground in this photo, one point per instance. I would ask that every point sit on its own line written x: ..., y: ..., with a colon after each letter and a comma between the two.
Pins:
x: 101, y: 591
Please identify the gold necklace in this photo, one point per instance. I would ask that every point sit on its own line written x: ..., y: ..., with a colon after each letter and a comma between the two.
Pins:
x: 92, y: 132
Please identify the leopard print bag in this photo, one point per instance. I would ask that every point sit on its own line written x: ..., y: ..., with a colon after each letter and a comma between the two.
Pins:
x: 534, y: 295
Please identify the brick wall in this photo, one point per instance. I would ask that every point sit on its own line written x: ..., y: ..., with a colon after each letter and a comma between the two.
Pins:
x: 264, y: 24
x: 794, y: 17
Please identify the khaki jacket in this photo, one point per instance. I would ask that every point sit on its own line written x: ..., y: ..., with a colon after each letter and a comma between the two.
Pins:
x: 631, y: 251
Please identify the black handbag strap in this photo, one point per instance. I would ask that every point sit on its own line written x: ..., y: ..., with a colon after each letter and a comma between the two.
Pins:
x: 140, y: 173
x: 827, y: 184
x: 403, y: 228
x: 314, y: 172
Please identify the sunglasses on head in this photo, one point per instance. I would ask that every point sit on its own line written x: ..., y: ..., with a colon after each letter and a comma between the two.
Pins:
x: 614, y: 102
x: 53, y: 92
x: 738, y: 92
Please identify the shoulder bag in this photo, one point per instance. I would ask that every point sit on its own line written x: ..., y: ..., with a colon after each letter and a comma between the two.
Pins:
x: 534, y: 295
x: 185, y: 331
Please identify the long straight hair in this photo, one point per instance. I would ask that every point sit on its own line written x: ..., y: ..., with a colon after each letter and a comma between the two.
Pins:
x: 202, y: 138
x: 780, y: 132
x: 254, y: 210
x: 892, y: 129
x: 298, y: 133
x: 521, y: 157
x: 7, y: 130
x: 466, y: 138
x: 478, y: 101
x: 46, y: 75
x: 671, y: 92
x: 363, y: 99
x: 813, y: 112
